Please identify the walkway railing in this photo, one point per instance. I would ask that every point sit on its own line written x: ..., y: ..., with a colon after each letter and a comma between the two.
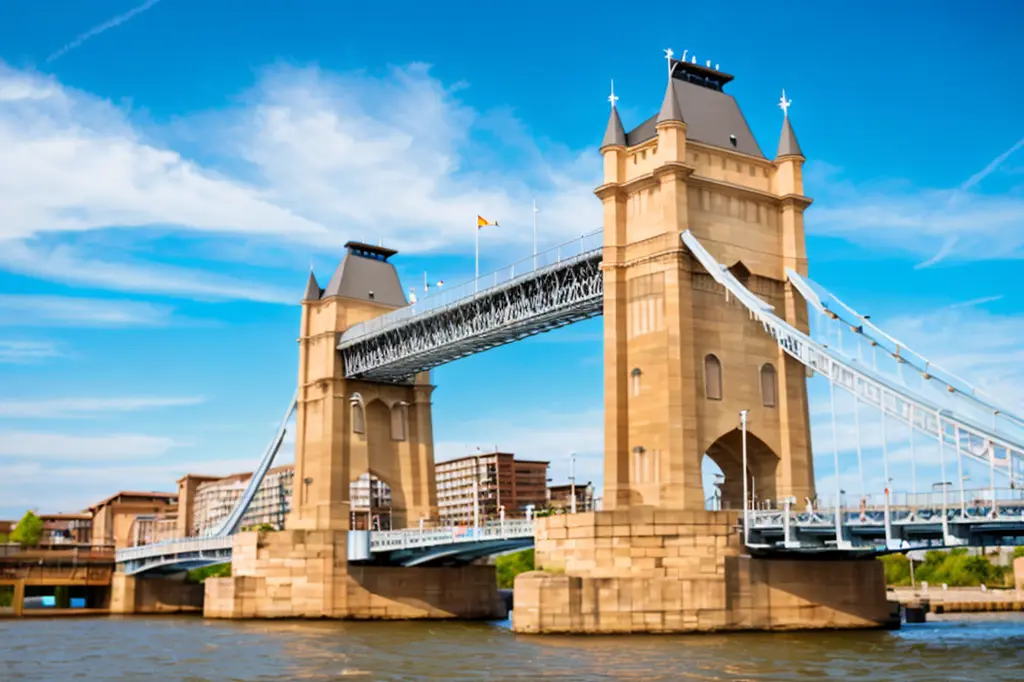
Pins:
x: 411, y: 538
x: 587, y: 244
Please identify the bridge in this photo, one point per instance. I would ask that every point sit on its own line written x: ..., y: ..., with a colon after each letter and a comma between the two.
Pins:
x: 715, y: 338
x: 563, y: 285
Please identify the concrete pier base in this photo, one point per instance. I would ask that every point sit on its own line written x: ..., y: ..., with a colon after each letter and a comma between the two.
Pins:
x: 305, y: 574
x: 673, y: 571
x: 156, y: 594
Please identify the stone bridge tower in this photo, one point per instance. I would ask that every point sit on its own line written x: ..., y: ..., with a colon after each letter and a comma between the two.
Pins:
x: 347, y: 428
x: 680, y: 360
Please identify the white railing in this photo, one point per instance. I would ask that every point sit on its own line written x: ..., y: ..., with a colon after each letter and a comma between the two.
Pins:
x: 412, y: 538
x: 173, y: 547
x: 584, y: 246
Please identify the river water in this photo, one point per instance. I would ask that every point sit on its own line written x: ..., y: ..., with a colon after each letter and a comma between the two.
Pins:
x: 173, y: 649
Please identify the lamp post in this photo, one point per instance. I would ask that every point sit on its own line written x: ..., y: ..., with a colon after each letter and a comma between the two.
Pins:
x: 572, y: 482
x: 746, y: 516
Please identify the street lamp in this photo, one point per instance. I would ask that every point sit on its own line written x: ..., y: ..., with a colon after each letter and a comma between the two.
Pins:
x: 572, y: 482
x: 746, y: 517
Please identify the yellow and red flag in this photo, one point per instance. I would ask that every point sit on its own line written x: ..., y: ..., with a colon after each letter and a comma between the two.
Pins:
x: 483, y: 222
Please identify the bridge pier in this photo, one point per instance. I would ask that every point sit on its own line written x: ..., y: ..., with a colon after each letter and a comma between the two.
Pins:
x: 131, y: 594
x: 647, y: 570
x: 306, y: 574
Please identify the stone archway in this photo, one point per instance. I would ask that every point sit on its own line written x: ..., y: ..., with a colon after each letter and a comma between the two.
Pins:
x: 383, y: 459
x: 762, y: 463
x: 372, y: 502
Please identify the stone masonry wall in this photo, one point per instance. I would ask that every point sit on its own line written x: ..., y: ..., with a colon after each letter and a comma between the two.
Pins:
x: 674, y: 571
x: 305, y: 574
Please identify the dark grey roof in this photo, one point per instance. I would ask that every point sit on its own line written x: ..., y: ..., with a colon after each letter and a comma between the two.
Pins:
x: 614, y: 134
x: 788, y: 146
x: 313, y: 289
x: 670, y: 110
x: 365, y: 274
x: 711, y: 117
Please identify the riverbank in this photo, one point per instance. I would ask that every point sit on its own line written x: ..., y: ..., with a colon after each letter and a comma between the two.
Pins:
x: 960, y: 599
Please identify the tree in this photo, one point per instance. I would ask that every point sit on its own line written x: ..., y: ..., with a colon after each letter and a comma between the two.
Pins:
x: 511, y: 565
x: 199, y: 575
x: 29, y: 531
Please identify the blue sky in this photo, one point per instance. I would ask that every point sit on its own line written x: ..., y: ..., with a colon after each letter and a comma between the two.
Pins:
x: 167, y: 175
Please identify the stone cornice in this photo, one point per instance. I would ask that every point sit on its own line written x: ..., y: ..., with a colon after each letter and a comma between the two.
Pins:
x: 677, y: 168
x: 797, y: 201
x: 728, y: 152
x: 610, y: 189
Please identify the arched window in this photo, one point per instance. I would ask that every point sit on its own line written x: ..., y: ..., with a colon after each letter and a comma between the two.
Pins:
x: 358, y: 414
x: 399, y: 416
x: 634, y: 380
x: 769, y: 387
x: 712, y: 377
x: 638, y: 464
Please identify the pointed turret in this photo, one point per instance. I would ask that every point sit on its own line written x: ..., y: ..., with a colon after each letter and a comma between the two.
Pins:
x: 670, y: 109
x: 788, y: 146
x: 313, y: 290
x: 614, y: 134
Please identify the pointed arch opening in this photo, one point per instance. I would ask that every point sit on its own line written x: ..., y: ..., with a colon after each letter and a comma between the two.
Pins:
x: 712, y: 377
x: 769, y: 385
x: 371, y: 503
x: 725, y: 458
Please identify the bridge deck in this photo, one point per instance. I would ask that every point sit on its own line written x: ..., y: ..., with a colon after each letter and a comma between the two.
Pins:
x: 550, y: 290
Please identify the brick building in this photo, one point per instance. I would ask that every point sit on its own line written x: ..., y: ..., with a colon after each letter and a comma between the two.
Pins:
x: 489, y: 481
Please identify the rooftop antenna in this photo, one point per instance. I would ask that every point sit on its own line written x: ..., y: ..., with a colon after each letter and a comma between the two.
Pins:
x: 716, y: 67
x: 612, y: 98
x: 684, y: 54
x: 693, y: 60
x: 784, y: 104
x: 708, y: 63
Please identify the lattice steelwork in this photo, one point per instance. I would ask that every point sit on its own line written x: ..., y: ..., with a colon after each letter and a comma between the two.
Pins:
x: 552, y: 289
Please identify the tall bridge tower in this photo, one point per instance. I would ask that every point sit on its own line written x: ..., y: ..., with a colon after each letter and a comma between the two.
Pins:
x: 680, y: 362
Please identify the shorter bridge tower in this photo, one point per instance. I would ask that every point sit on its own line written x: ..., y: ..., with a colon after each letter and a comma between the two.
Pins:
x: 345, y: 429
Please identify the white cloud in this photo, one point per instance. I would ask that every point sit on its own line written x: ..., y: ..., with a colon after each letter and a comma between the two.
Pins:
x: 27, y: 352
x: 63, y: 311
x: 64, y: 408
x: 326, y: 158
x: 958, y: 223
x: 65, y: 264
x: 55, y: 446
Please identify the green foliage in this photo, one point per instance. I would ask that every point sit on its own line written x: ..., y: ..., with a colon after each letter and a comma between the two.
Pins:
x: 198, y: 575
x: 955, y: 568
x: 6, y: 595
x: 262, y: 528
x: 4, y: 538
x: 511, y: 565
x: 897, y: 570
x: 1018, y: 552
x: 29, y: 530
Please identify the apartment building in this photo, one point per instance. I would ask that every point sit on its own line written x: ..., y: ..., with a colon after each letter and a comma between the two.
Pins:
x: 214, y: 499
x: 486, y: 483
x: 560, y: 497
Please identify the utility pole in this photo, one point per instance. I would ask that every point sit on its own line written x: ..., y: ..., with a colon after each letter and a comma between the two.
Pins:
x: 746, y: 504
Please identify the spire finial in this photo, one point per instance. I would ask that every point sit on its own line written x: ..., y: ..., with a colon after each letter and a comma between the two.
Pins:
x: 668, y: 58
x: 784, y: 104
x: 612, y: 98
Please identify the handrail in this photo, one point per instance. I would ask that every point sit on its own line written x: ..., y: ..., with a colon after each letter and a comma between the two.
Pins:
x: 230, y: 524
x: 587, y: 243
x: 866, y: 385
x: 929, y: 368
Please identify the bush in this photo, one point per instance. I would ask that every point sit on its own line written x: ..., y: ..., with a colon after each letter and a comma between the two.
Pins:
x: 955, y: 568
x: 199, y: 575
x: 29, y: 531
x: 511, y: 565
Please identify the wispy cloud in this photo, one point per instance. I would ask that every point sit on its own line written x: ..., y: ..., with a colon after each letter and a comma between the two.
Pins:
x: 64, y: 408
x: 66, y: 311
x: 27, y: 352
x: 55, y: 446
x: 105, y: 26
x: 977, y: 301
x: 70, y: 266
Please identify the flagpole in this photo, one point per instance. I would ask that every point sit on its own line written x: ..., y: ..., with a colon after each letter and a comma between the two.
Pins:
x: 475, y: 283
